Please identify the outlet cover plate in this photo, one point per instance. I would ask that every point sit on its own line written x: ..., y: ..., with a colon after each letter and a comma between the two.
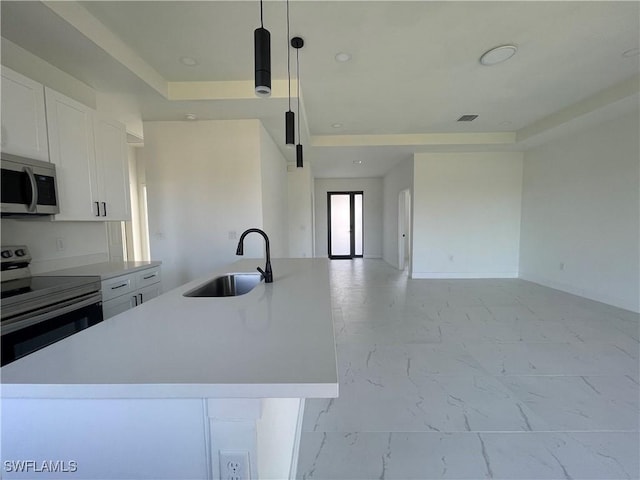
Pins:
x: 234, y: 465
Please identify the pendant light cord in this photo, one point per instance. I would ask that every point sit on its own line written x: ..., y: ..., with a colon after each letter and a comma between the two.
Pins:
x: 288, y: 55
x: 261, y: 16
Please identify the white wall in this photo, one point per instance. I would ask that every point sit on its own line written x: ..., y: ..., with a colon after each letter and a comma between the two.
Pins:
x: 82, y: 243
x: 275, y: 214
x: 124, y: 108
x: 398, y: 179
x: 466, y: 211
x: 581, y: 208
x: 373, y: 206
x: 300, y: 187
x: 29, y: 65
x: 204, y: 189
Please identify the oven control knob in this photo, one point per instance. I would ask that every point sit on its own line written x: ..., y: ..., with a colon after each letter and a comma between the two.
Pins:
x: 6, y: 254
x: 20, y: 252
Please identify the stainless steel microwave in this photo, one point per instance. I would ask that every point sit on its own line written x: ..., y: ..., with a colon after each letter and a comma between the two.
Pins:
x: 28, y: 187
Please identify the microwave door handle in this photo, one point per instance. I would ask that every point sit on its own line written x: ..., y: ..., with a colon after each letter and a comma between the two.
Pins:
x: 34, y: 189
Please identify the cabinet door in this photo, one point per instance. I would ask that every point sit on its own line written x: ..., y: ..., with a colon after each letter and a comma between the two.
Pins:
x: 71, y: 146
x: 147, y: 293
x: 113, y: 307
x: 112, y: 168
x: 24, y: 127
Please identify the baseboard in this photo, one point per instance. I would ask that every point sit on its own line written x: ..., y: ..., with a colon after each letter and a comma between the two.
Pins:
x: 462, y: 275
x: 583, y: 292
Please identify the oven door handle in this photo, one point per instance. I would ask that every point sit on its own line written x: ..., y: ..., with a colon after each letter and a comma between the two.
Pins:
x: 47, y: 313
x: 34, y: 189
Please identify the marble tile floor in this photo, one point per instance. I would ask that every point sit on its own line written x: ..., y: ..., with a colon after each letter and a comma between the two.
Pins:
x: 473, y: 379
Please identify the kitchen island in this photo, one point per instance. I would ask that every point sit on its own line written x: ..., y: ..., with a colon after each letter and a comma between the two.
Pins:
x: 162, y: 390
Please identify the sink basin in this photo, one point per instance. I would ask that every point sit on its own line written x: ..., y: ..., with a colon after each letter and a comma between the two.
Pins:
x: 229, y: 285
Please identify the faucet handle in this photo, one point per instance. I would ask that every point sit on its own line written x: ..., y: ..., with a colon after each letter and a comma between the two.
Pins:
x: 264, y: 275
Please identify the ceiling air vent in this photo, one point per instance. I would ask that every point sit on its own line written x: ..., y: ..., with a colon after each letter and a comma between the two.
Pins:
x: 467, y: 118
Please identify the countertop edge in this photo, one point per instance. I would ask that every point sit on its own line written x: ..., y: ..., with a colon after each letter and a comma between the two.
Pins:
x: 168, y: 391
x: 97, y: 269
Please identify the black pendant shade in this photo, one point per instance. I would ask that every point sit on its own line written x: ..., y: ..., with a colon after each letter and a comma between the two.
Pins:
x: 262, y: 52
x: 290, y: 128
x: 299, y: 163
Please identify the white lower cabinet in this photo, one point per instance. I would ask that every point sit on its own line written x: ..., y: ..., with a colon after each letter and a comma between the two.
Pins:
x: 113, y: 307
x: 147, y: 293
x: 122, y: 293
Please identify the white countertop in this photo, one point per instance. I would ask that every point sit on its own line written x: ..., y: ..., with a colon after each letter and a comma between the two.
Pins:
x: 104, y: 270
x: 275, y: 341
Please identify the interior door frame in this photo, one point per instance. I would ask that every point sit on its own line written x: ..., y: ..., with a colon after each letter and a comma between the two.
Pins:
x: 352, y: 248
x: 404, y: 228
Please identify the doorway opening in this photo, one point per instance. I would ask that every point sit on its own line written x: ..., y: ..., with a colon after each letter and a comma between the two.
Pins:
x: 345, y: 215
x: 404, y: 229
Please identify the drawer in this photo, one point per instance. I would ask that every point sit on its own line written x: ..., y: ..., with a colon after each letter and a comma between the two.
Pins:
x: 147, y: 277
x: 115, y: 287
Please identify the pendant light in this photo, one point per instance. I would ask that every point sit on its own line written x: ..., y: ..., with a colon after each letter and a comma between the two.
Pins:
x: 298, y: 43
x: 289, y: 116
x: 262, y: 58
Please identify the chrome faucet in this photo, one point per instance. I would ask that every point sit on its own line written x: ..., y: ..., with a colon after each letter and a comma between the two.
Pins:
x: 267, y: 273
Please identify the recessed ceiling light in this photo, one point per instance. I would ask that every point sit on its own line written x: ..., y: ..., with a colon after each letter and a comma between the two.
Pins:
x: 189, y: 61
x: 634, y: 52
x: 498, y: 55
x: 337, y: 125
x: 343, y: 57
x: 190, y: 116
x: 357, y: 162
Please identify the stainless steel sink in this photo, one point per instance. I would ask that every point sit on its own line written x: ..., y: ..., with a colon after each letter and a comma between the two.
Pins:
x: 229, y: 285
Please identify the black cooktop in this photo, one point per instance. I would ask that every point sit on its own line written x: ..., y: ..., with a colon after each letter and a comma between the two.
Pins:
x: 36, y: 284
x: 35, y: 292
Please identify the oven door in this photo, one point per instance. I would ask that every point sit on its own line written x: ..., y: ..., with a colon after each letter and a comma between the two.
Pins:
x: 32, y: 331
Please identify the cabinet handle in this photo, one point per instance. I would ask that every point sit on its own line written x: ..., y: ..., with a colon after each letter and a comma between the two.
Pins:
x: 119, y: 286
x: 149, y: 276
x: 97, y: 209
x: 140, y: 298
x: 104, y: 207
x: 135, y: 299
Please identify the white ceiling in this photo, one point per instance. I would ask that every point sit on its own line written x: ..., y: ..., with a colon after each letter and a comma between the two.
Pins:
x: 414, y: 67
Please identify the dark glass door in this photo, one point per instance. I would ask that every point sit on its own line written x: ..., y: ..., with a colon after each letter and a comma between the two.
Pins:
x: 345, y: 219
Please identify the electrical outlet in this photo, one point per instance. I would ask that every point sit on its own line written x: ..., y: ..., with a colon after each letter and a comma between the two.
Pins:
x: 234, y: 465
x: 60, y: 244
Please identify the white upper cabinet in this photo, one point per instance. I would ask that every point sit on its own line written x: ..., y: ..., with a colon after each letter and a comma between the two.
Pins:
x: 24, y: 128
x: 112, y: 168
x: 72, y: 149
x: 90, y: 153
